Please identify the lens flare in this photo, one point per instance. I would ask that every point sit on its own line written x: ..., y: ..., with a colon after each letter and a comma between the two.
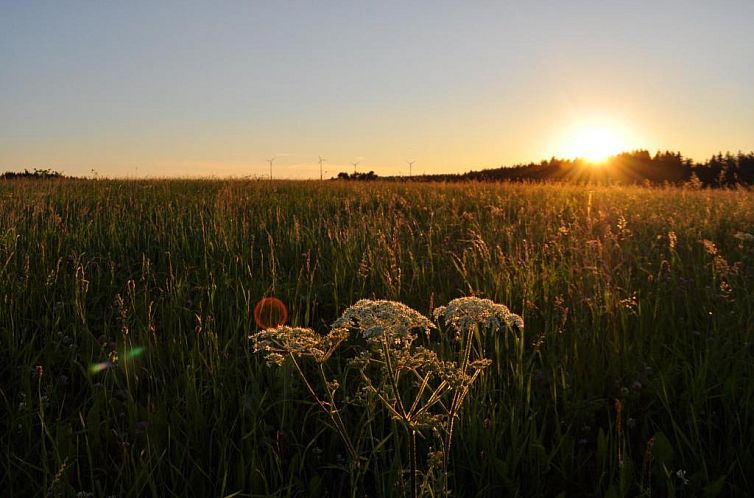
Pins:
x: 270, y: 312
x: 96, y: 368
x: 132, y: 353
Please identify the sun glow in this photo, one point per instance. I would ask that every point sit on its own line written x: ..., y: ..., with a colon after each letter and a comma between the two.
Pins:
x: 595, y: 141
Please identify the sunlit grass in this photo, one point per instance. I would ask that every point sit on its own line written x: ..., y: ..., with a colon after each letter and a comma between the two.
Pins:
x: 137, y: 299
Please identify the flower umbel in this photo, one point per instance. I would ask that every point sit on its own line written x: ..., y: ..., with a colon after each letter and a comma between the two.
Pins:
x: 297, y: 341
x: 376, y: 318
x: 465, y: 312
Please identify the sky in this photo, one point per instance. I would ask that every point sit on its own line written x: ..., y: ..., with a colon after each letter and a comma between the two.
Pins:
x: 215, y: 89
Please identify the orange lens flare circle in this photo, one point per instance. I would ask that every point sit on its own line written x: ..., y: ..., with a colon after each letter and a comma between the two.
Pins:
x: 270, y: 312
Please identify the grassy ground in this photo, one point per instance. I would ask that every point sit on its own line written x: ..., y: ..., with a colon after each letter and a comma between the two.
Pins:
x: 636, y: 377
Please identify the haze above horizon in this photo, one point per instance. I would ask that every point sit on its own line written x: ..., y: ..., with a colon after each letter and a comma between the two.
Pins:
x: 189, y: 89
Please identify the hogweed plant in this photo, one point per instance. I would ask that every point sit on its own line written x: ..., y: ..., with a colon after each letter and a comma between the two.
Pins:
x: 470, y: 317
x: 421, y: 387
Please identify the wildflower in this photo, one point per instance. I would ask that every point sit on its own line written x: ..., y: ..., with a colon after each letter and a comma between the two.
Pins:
x: 274, y: 359
x: 296, y: 341
x: 427, y: 398
x: 672, y: 240
x: 630, y: 303
x: 516, y: 321
x: 375, y: 319
x: 465, y: 312
x: 744, y: 236
x: 710, y: 247
x: 681, y: 474
x: 622, y: 227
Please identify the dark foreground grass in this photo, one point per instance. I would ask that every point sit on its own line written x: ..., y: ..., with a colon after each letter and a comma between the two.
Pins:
x: 635, y: 379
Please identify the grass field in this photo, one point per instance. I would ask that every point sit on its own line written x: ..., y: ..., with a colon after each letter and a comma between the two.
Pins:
x: 126, y: 307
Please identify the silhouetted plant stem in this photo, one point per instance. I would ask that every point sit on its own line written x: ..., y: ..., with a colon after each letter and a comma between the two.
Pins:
x: 412, y: 457
x: 331, y: 411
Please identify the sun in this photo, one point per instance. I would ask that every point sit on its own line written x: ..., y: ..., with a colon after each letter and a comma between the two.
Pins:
x: 595, y: 141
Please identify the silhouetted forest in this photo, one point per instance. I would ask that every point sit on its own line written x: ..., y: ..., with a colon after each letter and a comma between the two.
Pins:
x: 637, y: 167
x: 45, y: 174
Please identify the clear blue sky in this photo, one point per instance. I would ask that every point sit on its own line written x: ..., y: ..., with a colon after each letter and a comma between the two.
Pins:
x: 165, y: 88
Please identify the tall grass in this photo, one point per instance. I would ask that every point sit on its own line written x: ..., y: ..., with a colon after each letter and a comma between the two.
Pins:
x: 634, y: 376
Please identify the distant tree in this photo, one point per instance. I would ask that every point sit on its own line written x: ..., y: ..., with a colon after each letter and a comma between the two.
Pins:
x: 37, y: 173
x: 358, y: 176
x: 745, y: 165
x: 671, y: 167
x: 366, y: 176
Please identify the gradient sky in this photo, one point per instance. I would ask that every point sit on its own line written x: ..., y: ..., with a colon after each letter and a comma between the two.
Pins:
x: 159, y: 88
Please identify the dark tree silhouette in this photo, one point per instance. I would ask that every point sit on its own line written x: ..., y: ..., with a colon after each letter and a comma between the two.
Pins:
x: 638, y: 167
x: 44, y: 174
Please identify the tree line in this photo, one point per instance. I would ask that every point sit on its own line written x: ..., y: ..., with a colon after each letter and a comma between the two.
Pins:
x: 44, y: 174
x: 636, y: 167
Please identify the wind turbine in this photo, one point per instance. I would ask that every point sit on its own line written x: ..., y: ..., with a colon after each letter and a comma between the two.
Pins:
x: 354, y: 166
x: 321, y: 160
x: 271, y: 161
x: 410, y: 165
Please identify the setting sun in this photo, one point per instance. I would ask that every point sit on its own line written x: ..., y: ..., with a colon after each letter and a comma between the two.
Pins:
x: 595, y: 141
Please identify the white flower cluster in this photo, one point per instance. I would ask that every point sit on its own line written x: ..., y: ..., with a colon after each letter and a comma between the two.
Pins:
x: 465, y: 312
x: 297, y: 341
x: 376, y: 318
x: 379, y: 321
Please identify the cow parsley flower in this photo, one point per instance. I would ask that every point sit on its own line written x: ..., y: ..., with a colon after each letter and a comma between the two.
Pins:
x: 465, y: 312
x: 280, y: 341
x: 376, y: 320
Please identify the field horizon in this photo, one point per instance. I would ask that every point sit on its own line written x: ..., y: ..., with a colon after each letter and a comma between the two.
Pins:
x: 635, y: 167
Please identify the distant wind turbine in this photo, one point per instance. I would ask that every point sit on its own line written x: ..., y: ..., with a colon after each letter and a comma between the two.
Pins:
x: 354, y: 166
x: 321, y: 160
x: 410, y: 165
x: 271, y: 161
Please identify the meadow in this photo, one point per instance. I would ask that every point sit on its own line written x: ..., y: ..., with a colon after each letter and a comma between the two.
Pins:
x: 127, y: 369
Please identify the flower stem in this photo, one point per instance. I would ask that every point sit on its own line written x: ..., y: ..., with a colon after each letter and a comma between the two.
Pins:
x: 412, y: 457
